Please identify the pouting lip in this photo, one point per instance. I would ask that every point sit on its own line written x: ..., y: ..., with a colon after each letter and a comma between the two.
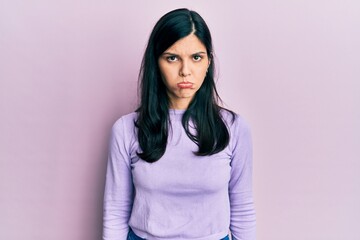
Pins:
x: 185, y: 85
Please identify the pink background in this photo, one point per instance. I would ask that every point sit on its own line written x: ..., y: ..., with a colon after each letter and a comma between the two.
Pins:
x: 68, y: 70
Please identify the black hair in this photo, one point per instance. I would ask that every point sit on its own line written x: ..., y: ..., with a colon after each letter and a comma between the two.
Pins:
x: 204, y: 112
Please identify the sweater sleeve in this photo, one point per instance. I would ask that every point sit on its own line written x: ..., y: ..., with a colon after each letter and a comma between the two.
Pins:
x: 118, y: 196
x: 243, y: 222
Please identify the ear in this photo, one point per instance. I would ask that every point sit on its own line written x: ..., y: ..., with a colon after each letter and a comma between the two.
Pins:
x: 207, y: 69
x: 210, y: 58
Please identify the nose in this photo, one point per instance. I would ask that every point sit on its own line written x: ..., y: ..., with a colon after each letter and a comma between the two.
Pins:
x: 185, y: 69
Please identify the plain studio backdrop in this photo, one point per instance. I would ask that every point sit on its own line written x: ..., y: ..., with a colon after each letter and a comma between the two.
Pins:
x: 68, y: 70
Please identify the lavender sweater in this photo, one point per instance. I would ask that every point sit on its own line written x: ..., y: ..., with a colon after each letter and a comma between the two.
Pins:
x: 181, y: 196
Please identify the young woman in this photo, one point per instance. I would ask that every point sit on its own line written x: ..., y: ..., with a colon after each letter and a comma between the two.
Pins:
x: 180, y: 167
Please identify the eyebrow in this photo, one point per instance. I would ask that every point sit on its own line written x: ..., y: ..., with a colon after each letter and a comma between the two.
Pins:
x: 174, y: 54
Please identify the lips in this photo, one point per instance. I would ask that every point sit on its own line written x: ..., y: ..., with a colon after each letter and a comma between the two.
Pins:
x: 185, y: 85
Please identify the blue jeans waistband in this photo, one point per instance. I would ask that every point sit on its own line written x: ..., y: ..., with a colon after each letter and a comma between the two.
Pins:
x: 133, y: 236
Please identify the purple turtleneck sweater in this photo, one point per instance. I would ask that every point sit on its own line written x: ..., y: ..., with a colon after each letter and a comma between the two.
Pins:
x: 181, y: 196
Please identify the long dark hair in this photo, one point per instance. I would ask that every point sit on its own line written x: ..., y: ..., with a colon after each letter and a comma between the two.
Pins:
x: 152, y: 123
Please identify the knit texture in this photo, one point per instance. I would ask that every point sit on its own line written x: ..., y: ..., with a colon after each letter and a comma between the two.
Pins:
x: 181, y: 196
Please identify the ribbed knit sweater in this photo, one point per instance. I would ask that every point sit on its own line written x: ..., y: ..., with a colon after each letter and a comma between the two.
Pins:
x: 181, y: 196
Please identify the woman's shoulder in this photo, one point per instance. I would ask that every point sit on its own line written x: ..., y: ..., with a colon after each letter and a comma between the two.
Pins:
x: 126, y: 121
x: 239, y: 129
x: 231, y: 117
x: 235, y: 122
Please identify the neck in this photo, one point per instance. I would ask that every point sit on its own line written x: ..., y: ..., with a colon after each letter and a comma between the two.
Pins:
x: 180, y: 104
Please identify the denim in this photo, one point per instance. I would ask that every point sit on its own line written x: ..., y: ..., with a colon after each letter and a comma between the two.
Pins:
x: 133, y: 236
x: 225, y: 238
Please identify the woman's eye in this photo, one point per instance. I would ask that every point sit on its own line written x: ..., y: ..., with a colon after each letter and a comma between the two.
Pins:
x: 172, y: 58
x: 197, y: 58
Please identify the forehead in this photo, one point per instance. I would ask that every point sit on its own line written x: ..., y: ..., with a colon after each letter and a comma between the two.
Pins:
x: 187, y: 45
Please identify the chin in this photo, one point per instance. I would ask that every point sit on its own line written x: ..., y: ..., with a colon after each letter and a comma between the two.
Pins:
x: 186, y: 95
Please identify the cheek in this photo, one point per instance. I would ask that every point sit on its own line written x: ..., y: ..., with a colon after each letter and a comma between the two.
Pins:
x: 168, y: 72
x: 168, y: 77
x: 201, y: 73
x: 163, y: 73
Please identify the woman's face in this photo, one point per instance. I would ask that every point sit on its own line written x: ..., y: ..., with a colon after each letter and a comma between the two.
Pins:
x: 183, y: 69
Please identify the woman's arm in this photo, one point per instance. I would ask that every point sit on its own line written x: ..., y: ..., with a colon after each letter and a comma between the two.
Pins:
x: 118, y: 197
x: 243, y: 222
